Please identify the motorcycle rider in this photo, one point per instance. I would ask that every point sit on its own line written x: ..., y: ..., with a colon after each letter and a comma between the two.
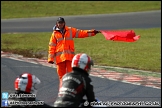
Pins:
x: 25, y: 87
x: 76, y: 84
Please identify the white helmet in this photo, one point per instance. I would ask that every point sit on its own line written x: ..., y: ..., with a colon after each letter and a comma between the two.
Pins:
x: 27, y: 82
x: 82, y: 61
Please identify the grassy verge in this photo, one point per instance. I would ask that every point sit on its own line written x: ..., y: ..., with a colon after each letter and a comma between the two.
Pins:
x: 27, y: 9
x: 144, y: 54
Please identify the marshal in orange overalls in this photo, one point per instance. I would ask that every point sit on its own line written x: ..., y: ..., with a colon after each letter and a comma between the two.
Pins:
x: 61, y: 48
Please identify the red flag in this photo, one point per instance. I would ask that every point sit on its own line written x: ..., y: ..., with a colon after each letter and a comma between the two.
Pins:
x: 120, y: 35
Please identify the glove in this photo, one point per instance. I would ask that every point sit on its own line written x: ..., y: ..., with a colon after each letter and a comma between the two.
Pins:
x: 96, y: 31
x: 51, y: 62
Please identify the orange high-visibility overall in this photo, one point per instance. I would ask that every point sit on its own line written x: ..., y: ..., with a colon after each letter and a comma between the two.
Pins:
x: 61, y: 48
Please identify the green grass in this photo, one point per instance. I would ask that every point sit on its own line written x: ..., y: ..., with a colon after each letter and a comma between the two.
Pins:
x: 144, y: 54
x: 27, y: 9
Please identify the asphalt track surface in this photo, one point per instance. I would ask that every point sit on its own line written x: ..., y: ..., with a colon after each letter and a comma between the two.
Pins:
x: 99, y: 22
x: 105, y: 89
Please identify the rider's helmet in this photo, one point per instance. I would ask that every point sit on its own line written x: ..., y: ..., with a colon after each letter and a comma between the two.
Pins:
x: 27, y: 82
x: 82, y: 61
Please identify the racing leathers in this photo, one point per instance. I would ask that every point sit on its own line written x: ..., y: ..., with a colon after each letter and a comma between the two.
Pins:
x: 74, y: 87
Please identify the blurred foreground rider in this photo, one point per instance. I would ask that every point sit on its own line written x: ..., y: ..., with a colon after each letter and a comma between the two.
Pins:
x: 77, y: 84
x: 25, y: 87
